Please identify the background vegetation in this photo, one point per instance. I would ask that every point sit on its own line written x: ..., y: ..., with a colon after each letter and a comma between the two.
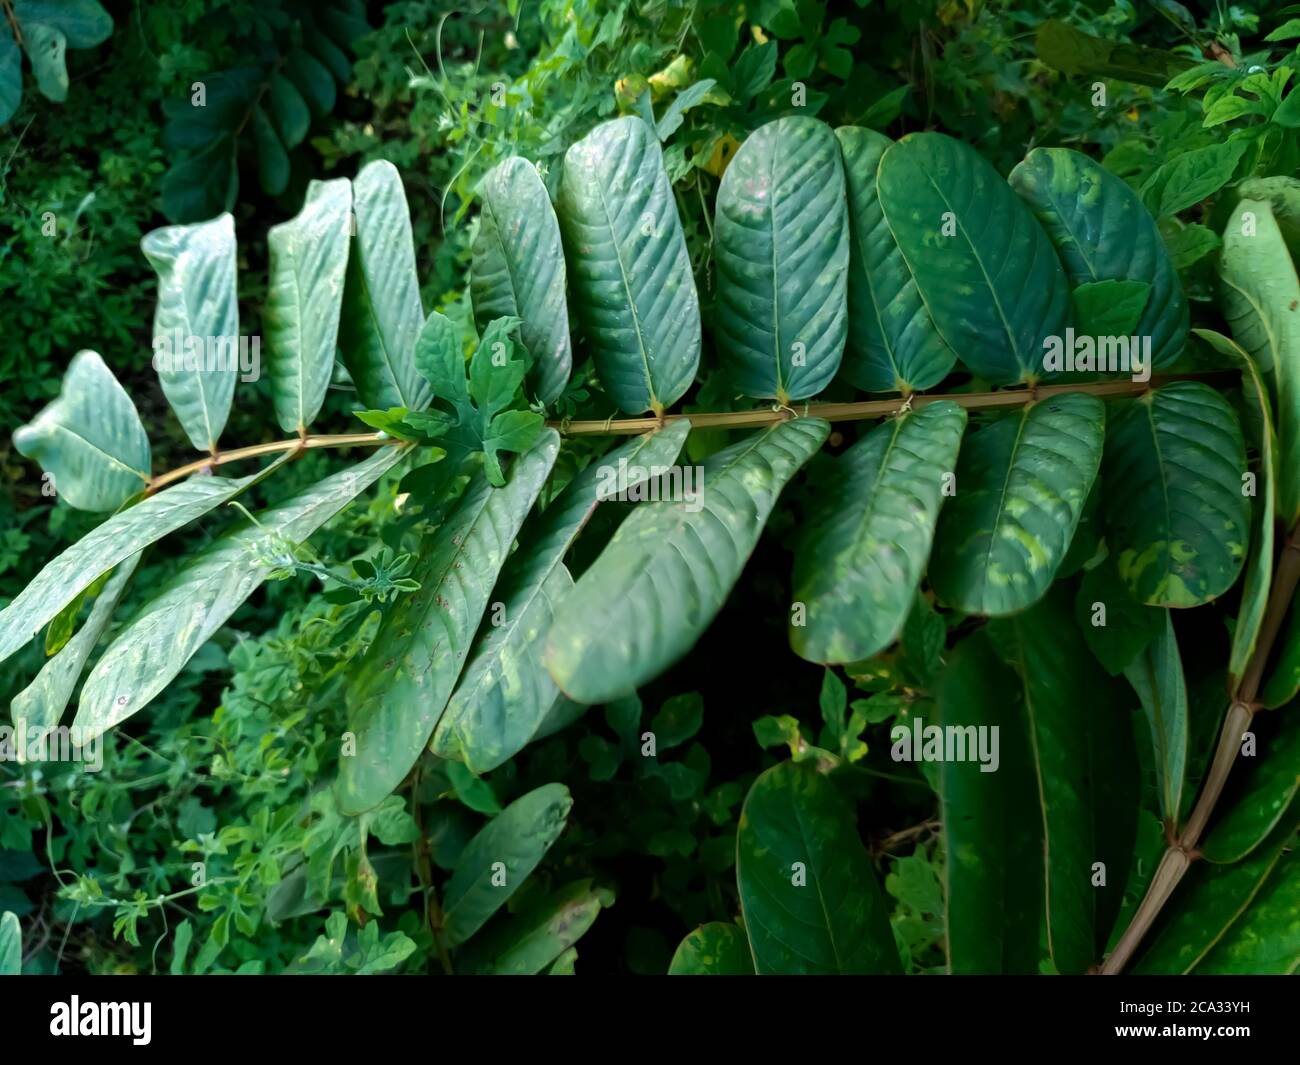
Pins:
x: 226, y: 767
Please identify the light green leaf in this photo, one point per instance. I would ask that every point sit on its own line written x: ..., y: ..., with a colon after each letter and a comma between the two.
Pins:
x: 713, y: 949
x: 46, y: 50
x: 304, y: 297
x: 1103, y: 233
x: 1109, y: 308
x: 518, y: 271
x: 530, y: 940
x: 893, y: 344
x: 810, y: 899
x: 1020, y: 489
x: 865, y: 546
x: 1157, y: 677
x: 399, y: 689
x: 629, y: 271
x: 41, y: 703
x: 781, y: 246
x: 510, y: 847
x: 11, y: 945
x: 1176, y: 518
x: 117, y: 539
x: 1272, y: 780
x: 189, y: 609
x: 505, y: 694
x: 991, y: 821
x: 983, y: 265
x: 196, y: 323
x: 89, y: 440
x: 1261, y: 301
x: 670, y: 566
x: 1190, y: 177
x: 382, y: 312
x: 1190, y: 244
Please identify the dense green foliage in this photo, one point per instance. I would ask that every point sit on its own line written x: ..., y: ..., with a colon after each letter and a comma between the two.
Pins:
x: 451, y: 681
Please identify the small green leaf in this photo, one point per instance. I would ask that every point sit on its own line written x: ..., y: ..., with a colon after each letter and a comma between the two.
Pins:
x: 382, y: 313
x: 1109, y: 308
x: 1245, y: 819
x: 1157, y: 677
x: 1020, y: 488
x: 865, y: 546
x: 809, y: 896
x: 496, y: 862
x: 11, y: 945
x: 714, y: 949
x: 1192, y: 176
x: 1177, y: 519
x: 304, y: 298
x: 670, y: 566
x: 196, y: 323
x: 90, y: 440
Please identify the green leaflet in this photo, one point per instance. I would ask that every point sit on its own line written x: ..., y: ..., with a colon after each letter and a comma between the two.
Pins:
x: 43, y: 701
x: 1245, y: 818
x: 504, y: 692
x: 1086, y: 774
x: 196, y: 323
x: 1191, y: 176
x: 1176, y: 518
x: 781, y: 245
x: 866, y: 544
x: 505, y: 695
x: 670, y: 566
x: 1261, y: 302
x: 11, y: 945
x: 89, y: 440
x: 509, y: 846
x: 1157, y: 677
x: 1265, y: 940
x: 809, y: 896
x: 304, y: 297
x: 530, y: 940
x: 893, y: 344
x: 1116, y: 627
x: 1215, y: 908
x: 1021, y: 485
x: 399, y: 689
x: 714, y: 949
x: 121, y: 536
x: 1103, y: 233
x: 983, y: 265
x: 518, y: 271
x: 991, y: 821
x: 382, y: 313
x: 1259, y: 567
x: 632, y: 286
x: 188, y: 610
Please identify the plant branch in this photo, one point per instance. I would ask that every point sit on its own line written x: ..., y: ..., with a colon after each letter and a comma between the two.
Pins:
x: 298, y: 443
x: 742, y: 419
x: 868, y: 409
x: 1182, y: 851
